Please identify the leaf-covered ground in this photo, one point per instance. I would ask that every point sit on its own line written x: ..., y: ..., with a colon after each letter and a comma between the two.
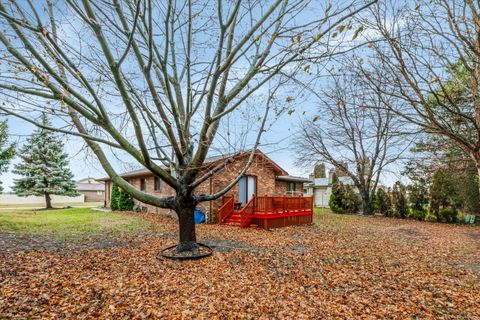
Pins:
x: 343, y: 267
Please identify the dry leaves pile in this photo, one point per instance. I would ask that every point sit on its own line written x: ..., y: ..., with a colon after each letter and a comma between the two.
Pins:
x: 345, y: 267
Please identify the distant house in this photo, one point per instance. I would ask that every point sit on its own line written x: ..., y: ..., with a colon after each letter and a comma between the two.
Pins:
x: 93, y: 190
x: 320, y: 187
x: 265, y: 186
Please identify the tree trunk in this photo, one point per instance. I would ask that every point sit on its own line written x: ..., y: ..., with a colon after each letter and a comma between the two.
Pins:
x: 477, y: 163
x: 48, y: 201
x: 366, y: 204
x: 185, y: 212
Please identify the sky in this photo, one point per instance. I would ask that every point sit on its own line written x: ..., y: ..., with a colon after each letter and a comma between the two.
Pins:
x: 277, y: 143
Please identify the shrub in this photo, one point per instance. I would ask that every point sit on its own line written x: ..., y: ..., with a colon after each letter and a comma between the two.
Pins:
x: 336, y: 197
x: 383, y: 203
x: 448, y: 215
x: 125, y: 201
x: 351, y: 200
x: 115, y: 197
x: 343, y: 199
x: 418, y: 214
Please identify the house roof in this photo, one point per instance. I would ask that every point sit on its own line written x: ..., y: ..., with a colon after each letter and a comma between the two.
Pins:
x: 292, y: 179
x: 208, y: 162
x: 90, y: 187
x: 325, y: 182
x: 89, y: 180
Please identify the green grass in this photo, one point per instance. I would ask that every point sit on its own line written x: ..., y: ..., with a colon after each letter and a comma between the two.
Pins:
x: 324, y: 217
x: 57, y: 205
x: 70, y: 223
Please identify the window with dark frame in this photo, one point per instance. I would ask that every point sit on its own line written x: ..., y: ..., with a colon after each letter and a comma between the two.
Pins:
x: 290, y: 186
x: 143, y: 184
x: 158, y: 184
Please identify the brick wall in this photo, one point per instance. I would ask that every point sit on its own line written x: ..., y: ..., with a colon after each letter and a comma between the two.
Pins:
x: 92, y: 196
x: 261, y: 168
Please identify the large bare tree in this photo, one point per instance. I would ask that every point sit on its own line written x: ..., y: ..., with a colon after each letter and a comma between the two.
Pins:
x: 430, y: 58
x: 154, y: 79
x: 353, y: 130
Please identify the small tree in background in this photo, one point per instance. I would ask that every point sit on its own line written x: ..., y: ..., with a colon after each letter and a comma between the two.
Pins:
x: 125, y: 201
x: 114, y: 197
x: 440, y: 194
x: 383, y: 203
x: 44, y: 167
x: 399, y: 200
x: 343, y: 199
x: 351, y: 200
x: 336, y: 197
x: 6, y: 152
x: 418, y: 199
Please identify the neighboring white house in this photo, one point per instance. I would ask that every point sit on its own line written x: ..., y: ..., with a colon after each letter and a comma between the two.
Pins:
x: 321, y: 188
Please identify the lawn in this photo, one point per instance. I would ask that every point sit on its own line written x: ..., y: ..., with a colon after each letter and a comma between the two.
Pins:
x: 341, y: 267
x: 72, y: 223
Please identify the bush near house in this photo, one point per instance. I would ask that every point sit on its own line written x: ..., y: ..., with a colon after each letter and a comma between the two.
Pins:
x: 125, y: 201
x: 114, y: 197
x: 120, y: 201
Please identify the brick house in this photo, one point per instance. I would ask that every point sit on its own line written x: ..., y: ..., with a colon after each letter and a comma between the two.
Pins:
x: 93, y: 190
x: 263, y: 178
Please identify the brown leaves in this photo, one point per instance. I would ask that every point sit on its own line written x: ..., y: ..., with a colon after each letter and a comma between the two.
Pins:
x: 345, y: 267
x: 357, y: 32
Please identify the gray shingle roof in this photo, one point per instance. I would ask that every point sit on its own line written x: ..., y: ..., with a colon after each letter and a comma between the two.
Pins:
x: 90, y: 186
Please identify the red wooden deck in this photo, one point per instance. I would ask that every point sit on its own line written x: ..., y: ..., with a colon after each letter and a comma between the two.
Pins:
x: 268, y: 212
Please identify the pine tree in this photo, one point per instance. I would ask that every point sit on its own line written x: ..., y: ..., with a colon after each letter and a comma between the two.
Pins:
x: 6, y: 153
x: 125, y: 201
x: 114, y: 197
x: 399, y: 200
x: 44, y: 167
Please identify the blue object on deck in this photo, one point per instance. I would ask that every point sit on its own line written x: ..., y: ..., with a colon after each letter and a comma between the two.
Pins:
x: 198, y: 217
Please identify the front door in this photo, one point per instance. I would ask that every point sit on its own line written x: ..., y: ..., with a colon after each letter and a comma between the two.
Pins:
x: 246, y: 189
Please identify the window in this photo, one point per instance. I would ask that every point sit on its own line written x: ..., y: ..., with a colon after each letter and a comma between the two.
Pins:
x: 143, y: 184
x: 99, y: 193
x: 158, y: 184
x: 290, y: 186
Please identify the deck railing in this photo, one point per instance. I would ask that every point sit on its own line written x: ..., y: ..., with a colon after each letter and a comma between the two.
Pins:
x: 284, y: 204
x: 246, y: 213
x: 226, y: 209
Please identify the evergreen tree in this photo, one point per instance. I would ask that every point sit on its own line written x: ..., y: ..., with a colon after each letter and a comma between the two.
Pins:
x: 383, y: 203
x: 440, y: 193
x: 399, y: 200
x: 351, y: 200
x: 336, y: 197
x: 114, y: 197
x: 418, y: 199
x: 343, y: 199
x: 6, y: 152
x: 125, y: 201
x: 44, y: 167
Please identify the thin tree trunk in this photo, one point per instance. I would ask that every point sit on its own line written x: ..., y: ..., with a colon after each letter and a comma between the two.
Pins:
x: 48, y: 201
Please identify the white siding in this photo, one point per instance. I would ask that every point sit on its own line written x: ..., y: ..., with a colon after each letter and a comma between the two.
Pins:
x: 322, y: 196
